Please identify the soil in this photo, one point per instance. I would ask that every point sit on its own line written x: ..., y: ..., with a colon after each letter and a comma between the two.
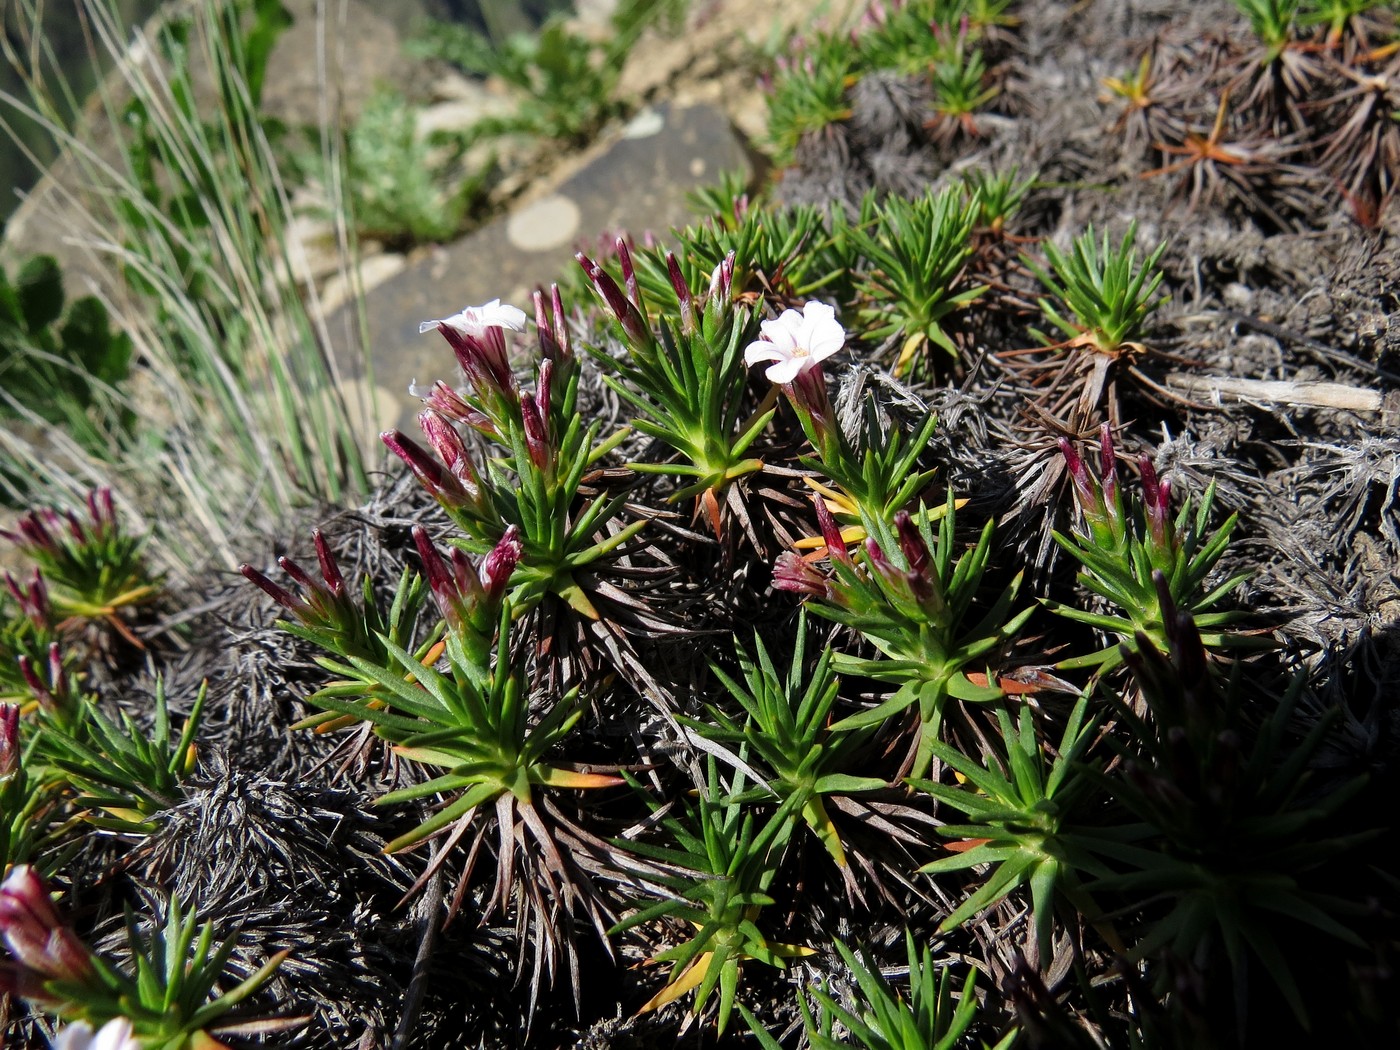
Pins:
x: 1280, y: 267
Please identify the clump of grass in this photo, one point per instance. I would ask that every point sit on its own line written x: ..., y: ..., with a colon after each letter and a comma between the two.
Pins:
x: 200, y: 274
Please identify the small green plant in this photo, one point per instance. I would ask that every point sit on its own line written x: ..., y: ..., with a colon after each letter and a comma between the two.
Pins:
x: 881, y: 1018
x: 959, y: 77
x: 995, y: 197
x: 1144, y: 562
x: 909, y: 598
x: 729, y: 860
x: 787, y: 729
x: 808, y: 93
x: 687, y: 385
x: 563, y: 82
x: 55, y: 356
x: 916, y: 251
x: 1016, y: 813
x: 1272, y: 22
x: 475, y: 722
x: 1108, y: 295
x: 126, y: 773
x: 548, y: 449
x: 167, y: 1000
x: 406, y: 189
x: 1232, y: 819
x: 94, y: 570
x: 1336, y: 15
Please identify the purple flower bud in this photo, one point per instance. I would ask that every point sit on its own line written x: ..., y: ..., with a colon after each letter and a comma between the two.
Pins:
x: 53, y: 694
x: 454, y: 590
x: 299, y: 574
x: 536, y: 432
x: 792, y: 573
x: 549, y: 346
x: 500, y: 562
x: 33, y: 602
x: 1108, y: 467
x: 449, y: 404
x: 76, y: 529
x: 10, y: 745
x: 1083, y: 484
x: 673, y: 270
x: 448, y: 444
x: 441, y: 484
x: 482, y: 358
x: 543, y: 389
x: 35, y: 935
x: 627, y: 315
x: 831, y: 532
x: 276, y: 592
x: 330, y: 571
x: 561, y: 323
x: 911, y: 543
x: 1156, y: 497
x: 629, y: 275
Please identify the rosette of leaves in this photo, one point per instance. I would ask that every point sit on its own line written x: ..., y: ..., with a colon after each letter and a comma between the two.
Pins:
x: 474, y: 722
x: 915, y: 252
x: 688, y: 383
x: 808, y: 94
x: 716, y: 880
x: 1107, y: 293
x: 170, y: 999
x: 881, y: 1018
x: 536, y: 484
x: 93, y: 569
x: 1234, y: 821
x: 124, y: 772
x: 911, y: 600
x: 1017, y: 803
x: 1138, y: 557
x: 786, y: 730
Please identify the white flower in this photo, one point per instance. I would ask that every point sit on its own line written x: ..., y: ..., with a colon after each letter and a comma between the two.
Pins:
x: 114, y: 1035
x: 797, y: 341
x: 474, y: 320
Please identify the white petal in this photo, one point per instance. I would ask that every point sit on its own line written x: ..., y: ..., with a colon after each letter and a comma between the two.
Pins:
x: 77, y: 1036
x: 115, y: 1035
x: 783, y: 337
x: 826, y: 340
x: 785, y: 371
x: 426, y: 326
x: 763, y: 351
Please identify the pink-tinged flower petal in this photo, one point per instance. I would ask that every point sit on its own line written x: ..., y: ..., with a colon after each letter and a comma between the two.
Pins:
x: 762, y: 351
x: 785, y: 371
x: 797, y: 341
x: 116, y: 1034
x: 474, y: 320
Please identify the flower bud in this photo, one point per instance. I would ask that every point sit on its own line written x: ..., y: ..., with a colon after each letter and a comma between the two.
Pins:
x: 633, y: 324
x: 791, y: 573
x: 500, y: 562
x: 441, y: 484
x: 33, y: 932
x: 10, y: 744
x: 330, y: 571
x: 683, y: 297
x: 536, y: 432
x: 831, y: 532
x: 276, y: 592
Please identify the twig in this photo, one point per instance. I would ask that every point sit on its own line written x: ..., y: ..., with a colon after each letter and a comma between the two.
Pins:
x: 418, y: 984
x: 1288, y: 392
